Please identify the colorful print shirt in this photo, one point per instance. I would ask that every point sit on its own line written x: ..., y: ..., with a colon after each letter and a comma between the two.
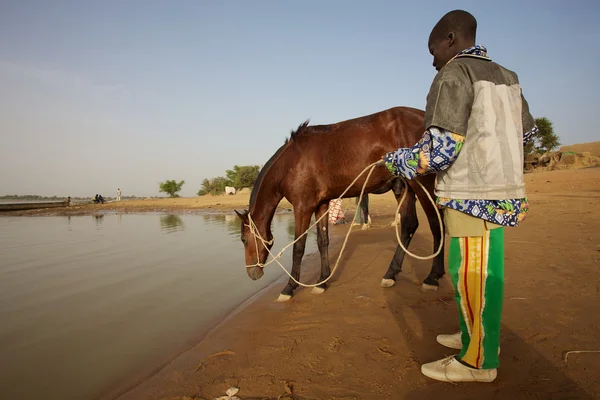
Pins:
x: 436, y: 151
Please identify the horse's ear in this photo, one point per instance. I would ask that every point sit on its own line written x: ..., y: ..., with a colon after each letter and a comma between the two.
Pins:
x: 243, y: 217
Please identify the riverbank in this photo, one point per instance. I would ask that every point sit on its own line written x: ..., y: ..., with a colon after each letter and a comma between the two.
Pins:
x: 203, y: 204
x: 360, y: 341
x: 184, y: 205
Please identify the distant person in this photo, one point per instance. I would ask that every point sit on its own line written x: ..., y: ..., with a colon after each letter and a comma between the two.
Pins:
x: 118, y: 194
x: 69, y: 201
x: 100, y: 199
x: 95, y: 198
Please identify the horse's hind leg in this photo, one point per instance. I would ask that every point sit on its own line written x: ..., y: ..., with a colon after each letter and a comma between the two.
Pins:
x: 431, y: 283
x: 302, y: 219
x: 364, y: 206
x: 408, y: 227
x: 323, y: 244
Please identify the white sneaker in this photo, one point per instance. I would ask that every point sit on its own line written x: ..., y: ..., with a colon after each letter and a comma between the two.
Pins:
x: 453, y: 341
x: 449, y: 369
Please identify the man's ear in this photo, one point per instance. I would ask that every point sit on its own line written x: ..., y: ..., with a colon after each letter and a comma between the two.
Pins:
x: 451, y: 38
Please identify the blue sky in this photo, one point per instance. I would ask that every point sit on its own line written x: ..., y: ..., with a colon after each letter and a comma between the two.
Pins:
x: 107, y: 94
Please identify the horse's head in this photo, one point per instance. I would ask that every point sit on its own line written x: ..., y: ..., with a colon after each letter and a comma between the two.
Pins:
x: 256, y: 245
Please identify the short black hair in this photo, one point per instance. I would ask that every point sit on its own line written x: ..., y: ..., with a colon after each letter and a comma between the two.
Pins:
x: 458, y: 21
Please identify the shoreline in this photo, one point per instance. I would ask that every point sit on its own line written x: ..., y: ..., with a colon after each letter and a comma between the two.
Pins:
x: 205, y: 205
x: 182, y: 205
x: 309, y: 261
x: 130, y: 383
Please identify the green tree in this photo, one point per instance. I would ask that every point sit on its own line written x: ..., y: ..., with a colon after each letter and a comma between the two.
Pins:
x: 232, y: 174
x: 205, y: 188
x: 545, y: 140
x: 170, y: 187
x: 214, y: 186
x: 218, y: 185
x: 242, y: 176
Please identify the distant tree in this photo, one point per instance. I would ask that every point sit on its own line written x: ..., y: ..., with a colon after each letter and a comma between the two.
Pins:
x: 213, y: 186
x: 239, y: 177
x: 205, y: 188
x: 545, y: 140
x: 243, y: 176
x: 232, y: 174
x: 170, y: 187
x: 218, y: 185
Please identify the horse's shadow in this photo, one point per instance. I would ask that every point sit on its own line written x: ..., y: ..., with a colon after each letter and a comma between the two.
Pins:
x: 357, y: 240
x: 524, y: 372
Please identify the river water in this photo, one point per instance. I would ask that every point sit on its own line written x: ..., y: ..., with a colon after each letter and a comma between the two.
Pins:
x: 86, y: 301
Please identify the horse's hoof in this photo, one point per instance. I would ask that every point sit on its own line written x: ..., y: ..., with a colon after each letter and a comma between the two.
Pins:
x: 283, y: 297
x: 429, y: 288
x: 387, y: 282
x: 365, y: 227
x: 317, y: 290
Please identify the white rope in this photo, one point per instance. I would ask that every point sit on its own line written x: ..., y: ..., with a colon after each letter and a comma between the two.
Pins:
x: 275, y: 258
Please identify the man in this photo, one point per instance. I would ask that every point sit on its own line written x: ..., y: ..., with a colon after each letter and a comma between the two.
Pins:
x: 476, y: 122
x: 118, y: 194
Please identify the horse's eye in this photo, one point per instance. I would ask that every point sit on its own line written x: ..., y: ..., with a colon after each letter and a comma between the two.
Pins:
x: 244, y: 240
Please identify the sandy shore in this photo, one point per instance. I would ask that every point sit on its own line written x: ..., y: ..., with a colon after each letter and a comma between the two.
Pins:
x: 360, y: 341
x: 187, y: 205
x: 178, y: 205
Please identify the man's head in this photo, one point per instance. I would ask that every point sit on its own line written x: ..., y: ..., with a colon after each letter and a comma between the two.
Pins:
x: 453, y: 33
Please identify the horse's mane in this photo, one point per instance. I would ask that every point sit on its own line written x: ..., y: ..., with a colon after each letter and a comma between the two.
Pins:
x: 263, y: 172
x: 303, y: 129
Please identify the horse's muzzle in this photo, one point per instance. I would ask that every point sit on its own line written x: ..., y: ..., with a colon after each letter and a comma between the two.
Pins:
x: 255, y: 272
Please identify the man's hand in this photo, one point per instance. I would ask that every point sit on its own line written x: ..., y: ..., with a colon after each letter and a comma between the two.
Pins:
x: 389, y: 161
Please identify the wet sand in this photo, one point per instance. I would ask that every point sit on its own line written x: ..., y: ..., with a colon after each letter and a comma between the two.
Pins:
x: 361, y: 341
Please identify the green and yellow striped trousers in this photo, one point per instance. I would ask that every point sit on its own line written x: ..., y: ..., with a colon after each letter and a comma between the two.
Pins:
x: 476, y: 267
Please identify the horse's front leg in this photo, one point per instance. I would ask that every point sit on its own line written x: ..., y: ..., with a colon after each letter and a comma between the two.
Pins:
x: 323, y: 244
x: 302, y: 219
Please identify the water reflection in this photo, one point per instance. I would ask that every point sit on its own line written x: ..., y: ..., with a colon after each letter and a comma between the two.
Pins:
x: 171, y: 223
x: 291, y: 228
x: 232, y: 222
x: 98, y: 218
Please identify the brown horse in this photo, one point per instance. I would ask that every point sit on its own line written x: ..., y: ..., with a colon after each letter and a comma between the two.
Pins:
x: 316, y: 165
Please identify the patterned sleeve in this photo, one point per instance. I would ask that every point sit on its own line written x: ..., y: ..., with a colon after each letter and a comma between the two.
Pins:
x: 436, y: 151
x: 528, y: 136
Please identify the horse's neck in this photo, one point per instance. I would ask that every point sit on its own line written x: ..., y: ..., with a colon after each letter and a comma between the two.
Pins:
x: 266, y: 200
